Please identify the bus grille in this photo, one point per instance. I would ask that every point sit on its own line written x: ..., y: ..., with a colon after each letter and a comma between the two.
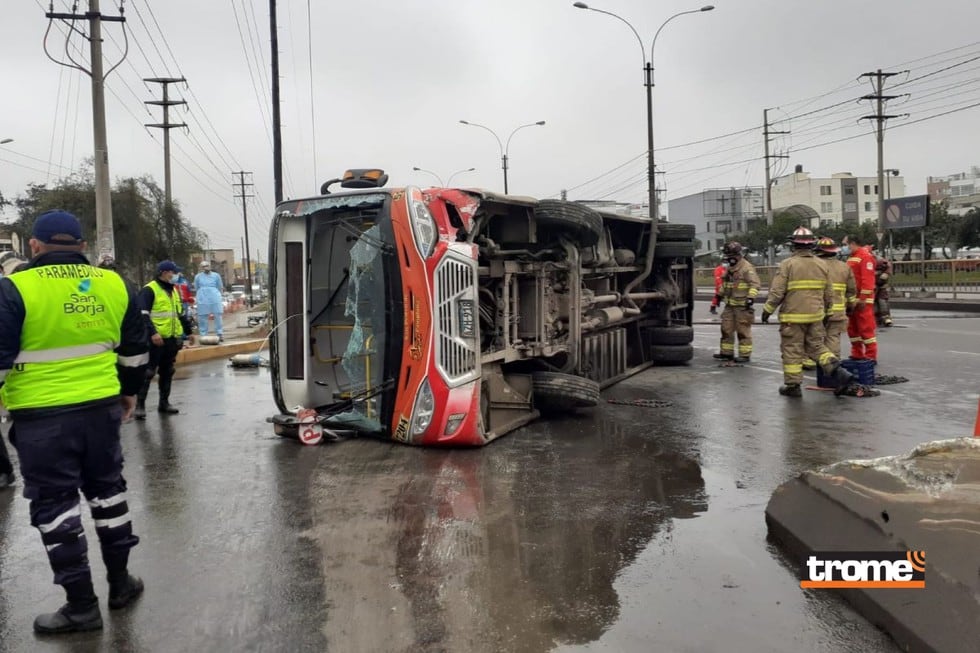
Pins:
x: 457, y: 311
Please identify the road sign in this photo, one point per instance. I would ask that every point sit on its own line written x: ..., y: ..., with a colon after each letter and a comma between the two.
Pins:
x: 906, y: 212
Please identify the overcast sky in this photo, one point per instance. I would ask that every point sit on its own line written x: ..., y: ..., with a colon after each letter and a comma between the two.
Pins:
x: 392, y: 78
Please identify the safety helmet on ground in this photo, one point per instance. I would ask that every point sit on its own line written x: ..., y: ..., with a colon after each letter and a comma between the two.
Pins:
x: 803, y: 237
x: 826, y: 246
x: 732, y: 249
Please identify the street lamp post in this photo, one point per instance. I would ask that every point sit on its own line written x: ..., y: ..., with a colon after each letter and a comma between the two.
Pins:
x: 504, y: 149
x: 438, y: 178
x: 449, y: 182
x: 649, y: 83
x: 894, y: 173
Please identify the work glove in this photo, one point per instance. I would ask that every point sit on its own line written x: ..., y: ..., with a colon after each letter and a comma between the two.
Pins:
x: 765, y: 316
x: 849, y: 310
x: 749, y: 303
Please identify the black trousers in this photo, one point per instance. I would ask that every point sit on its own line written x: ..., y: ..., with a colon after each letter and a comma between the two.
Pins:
x: 162, y: 360
x: 5, y: 466
x: 59, y: 456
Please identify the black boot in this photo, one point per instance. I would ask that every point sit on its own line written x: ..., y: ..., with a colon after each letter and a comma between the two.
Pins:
x: 791, y: 390
x: 140, y: 411
x: 164, y: 384
x: 743, y: 359
x: 843, y: 378
x: 724, y: 357
x: 80, y: 613
x: 167, y: 409
x: 124, y: 592
x: 70, y: 618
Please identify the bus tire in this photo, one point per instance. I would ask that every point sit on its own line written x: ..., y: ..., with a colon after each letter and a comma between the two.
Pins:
x: 672, y: 232
x: 555, y: 392
x: 671, y: 354
x: 670, y: 249
x: 557, y: 217
x: 671, y: 335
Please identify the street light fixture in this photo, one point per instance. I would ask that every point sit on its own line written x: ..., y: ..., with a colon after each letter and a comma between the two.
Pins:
x: 6, y: 140
x: 648, y: 82
x: 438, y: 178
x: 449, y: 182
x: 504, y: 149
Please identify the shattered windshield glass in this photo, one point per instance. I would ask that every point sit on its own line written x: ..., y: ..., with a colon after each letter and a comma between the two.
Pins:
x: 362, y: 359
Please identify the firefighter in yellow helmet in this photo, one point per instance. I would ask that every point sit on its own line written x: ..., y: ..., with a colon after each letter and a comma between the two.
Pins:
x: 739, y: 288
x: 803, y: 294
x: 845, y: 293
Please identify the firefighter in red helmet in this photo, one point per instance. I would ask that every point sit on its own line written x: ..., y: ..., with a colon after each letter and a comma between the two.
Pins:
x: 803, y: 294
x: 842, y: 281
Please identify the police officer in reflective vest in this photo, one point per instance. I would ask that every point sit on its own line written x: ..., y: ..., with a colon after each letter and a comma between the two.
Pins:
x: 804, y: 295
x: 164, y: 314
x: 72, y: 355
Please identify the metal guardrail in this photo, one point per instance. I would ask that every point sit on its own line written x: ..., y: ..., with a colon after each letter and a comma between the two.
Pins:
x: 958, y: 277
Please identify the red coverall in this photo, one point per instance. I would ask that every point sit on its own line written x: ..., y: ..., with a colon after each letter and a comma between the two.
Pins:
x: 861, y: 323
x: 719, y: 279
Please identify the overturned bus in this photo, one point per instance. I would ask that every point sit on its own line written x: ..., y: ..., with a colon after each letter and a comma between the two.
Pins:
x: 447, y: 316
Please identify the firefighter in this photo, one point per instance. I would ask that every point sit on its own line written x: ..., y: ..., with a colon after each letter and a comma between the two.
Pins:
x: 739, y: 288
x: 719, y: 279
x: 803, y: 294
x: 883, y: 274
x: 861, y: 324
x: 842, y: 281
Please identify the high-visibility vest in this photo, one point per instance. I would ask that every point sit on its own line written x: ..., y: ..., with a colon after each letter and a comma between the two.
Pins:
x: 73, y: 316
x: 165, y: 312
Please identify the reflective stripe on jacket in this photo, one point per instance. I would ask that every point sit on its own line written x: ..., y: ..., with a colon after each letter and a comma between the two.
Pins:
x: 740, y: 282
x: 165, y: 312
x: 842, y: 281
x: 862, y: 263
x: 800, y: 290
x: 73, y: 318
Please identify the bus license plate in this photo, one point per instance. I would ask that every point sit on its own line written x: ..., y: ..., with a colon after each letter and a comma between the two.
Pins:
x: 465, y: 308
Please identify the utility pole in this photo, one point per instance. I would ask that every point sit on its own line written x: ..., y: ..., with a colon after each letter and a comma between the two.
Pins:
x: 166, y: 126
x: 244, y: 197
x: 276, y: 127
x: 105, y: 242
x: 880, y: 117
x: 766, y: 133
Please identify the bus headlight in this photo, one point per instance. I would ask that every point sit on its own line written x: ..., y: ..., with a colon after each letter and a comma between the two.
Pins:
x: 425, y: 406
x: 423, y: 227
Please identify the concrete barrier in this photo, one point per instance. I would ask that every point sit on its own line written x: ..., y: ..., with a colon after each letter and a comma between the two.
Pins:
x: 200, y: 353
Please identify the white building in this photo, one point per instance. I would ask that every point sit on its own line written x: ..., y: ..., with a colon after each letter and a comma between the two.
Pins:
x: 717, y: 213
x: 841, y: 198
x: 961, y: 191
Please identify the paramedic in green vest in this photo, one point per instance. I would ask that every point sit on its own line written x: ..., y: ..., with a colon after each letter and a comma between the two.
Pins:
x: 73, y: 353
x: 166, y: 323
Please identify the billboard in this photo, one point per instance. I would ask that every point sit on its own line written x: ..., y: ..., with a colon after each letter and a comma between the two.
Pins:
x: 906, y: 212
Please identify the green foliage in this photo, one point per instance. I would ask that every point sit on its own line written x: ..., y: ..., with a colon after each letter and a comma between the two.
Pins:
x: 144, y: 232
x: 968, y: 232
x: 760, y: 236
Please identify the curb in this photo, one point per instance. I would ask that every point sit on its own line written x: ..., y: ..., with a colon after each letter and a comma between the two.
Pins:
x: 200, y: 353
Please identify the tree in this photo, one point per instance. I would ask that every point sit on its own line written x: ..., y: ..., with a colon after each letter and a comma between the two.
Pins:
x: 968, y: 232
x: 142, y: 231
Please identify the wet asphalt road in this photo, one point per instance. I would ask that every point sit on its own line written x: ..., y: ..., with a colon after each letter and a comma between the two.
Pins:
x: 624, y: 529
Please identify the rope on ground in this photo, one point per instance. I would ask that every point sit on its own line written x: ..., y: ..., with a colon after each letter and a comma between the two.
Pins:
x: 645, y: 403
x: 888, y: 379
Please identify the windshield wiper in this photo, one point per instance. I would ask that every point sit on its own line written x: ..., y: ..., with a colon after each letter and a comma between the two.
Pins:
x: 346, y: 404
x: 384, y: 247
